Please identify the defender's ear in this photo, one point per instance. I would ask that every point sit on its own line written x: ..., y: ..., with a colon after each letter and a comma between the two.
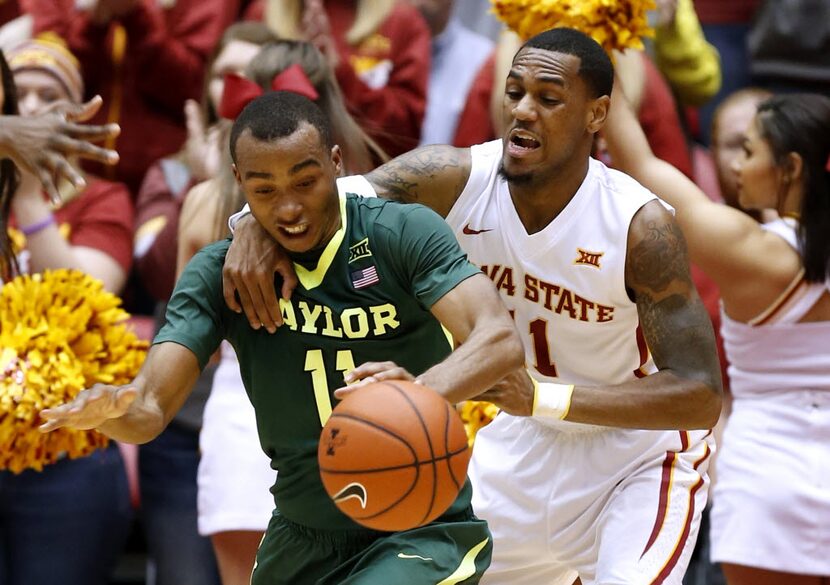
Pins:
x: 597, y: 113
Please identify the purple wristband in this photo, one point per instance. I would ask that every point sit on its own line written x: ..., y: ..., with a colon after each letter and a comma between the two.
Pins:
x: 34, y: 228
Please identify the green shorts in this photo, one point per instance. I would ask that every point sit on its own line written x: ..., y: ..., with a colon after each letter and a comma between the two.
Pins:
x: 449, y: 551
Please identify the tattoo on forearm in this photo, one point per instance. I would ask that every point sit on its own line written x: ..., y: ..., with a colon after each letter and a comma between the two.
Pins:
x: 660, y: 258
x: 680, y: 335
x: 412, y: 177
x: 673, y: 318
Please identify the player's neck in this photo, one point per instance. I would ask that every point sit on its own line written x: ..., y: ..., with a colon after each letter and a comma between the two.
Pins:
x: 538, y: 203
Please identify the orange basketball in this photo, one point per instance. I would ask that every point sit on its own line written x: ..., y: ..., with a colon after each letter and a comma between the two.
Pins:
x: 393, y: 455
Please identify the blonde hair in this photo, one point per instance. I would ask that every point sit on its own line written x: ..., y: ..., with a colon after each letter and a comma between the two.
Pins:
x: 360, y: 153
x: 284, y: 16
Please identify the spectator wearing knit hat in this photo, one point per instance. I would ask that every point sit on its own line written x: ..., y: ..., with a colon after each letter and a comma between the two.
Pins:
x: 97, y: 221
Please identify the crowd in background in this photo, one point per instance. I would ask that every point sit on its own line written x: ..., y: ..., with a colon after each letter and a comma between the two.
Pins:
x: 391, y: 75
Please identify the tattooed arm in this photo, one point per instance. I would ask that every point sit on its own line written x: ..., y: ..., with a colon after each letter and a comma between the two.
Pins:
x: 686, y: 393
x: 432, y: 175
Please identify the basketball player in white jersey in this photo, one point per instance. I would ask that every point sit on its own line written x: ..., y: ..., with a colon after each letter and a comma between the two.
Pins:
x: 597, y: 467
x: 771, y: 513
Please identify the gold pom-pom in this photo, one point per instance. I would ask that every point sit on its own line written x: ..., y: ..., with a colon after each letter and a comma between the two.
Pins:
x: 614, y: 24
x: 60, y: 332
x: 476, y: 414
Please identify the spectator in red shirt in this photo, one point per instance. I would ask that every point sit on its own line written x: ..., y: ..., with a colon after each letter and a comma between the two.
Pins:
x: 380, y: 52
x: 91, y: 230
x: 76, y: 509
x: 145, y: 58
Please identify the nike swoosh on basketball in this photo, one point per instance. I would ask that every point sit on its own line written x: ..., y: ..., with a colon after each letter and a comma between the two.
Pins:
x: 406, y: 556
x: 471, y: 232
x: 353, y: 490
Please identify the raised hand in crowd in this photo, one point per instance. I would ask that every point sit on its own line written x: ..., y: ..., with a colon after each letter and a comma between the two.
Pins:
x: 666, y: 12
x: 317, y: 30
x: 42, y: 144
x: 202, y: 149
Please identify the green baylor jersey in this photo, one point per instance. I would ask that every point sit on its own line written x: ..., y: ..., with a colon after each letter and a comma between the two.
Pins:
x: 368, y: 299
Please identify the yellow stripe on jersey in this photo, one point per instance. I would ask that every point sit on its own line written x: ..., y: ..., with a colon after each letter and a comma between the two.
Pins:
x: 312, y: 278
x: 467, y: 568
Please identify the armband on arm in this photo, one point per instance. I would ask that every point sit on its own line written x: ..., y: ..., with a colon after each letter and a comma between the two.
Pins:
x: 551, y: 400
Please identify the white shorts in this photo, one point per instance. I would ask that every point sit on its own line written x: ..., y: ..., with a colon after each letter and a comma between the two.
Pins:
x: 771, y: 503
x: 612, y: 506
x: 235, y: 475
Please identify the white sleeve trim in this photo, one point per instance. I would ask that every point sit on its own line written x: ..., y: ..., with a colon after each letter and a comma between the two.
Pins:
x: 234, y: 219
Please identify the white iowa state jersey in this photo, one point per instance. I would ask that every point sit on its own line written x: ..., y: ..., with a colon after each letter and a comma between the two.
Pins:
x: 565, y: 285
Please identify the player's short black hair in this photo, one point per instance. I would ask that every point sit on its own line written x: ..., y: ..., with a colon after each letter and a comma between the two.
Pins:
x: 278, y: 114
x: 595, y: 67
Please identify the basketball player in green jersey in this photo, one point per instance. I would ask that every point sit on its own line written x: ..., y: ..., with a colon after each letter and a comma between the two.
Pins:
x: 377, y: 281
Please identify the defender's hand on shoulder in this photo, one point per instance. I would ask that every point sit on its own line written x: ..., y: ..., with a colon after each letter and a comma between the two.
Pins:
x: 249, y: 269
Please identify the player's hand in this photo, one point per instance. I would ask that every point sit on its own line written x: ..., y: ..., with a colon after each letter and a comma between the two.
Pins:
x: 90, y: 409
x: 42, y: 144
x: 250, y: 264
x: 370, y: 372
x: 513, y: 394
x: 666, y: 12
x: 316, y: 29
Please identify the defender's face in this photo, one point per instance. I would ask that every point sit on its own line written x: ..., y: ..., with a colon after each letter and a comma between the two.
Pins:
x: 758, y: 177
x: 546, y: 113
x: 290, y: 185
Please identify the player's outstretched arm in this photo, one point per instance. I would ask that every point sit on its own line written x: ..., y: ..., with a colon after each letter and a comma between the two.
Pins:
x: 686, y: 393
x: 136, y: 412
x: 488, y: 346
x: 432, y: 175
x: 43, y: 144
x: 489, y: 350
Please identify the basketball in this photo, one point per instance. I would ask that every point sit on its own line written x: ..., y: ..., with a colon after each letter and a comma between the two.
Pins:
x: 393, y: 455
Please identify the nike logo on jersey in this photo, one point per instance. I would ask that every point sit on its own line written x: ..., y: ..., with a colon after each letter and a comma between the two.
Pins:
x: 406, y: 556
x: 352, y: 490
x: 471, y: 232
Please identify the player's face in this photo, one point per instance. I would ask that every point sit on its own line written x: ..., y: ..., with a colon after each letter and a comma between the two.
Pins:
x: 290, y: 185
x: 37, y: 90
x: 758, y: 177
x: 547, y: 111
